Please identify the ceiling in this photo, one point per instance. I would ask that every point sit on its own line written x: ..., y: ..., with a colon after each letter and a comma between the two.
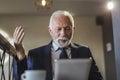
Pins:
x: 76, y: 7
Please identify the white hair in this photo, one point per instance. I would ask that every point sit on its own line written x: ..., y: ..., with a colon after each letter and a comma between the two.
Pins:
x: 64, y: 13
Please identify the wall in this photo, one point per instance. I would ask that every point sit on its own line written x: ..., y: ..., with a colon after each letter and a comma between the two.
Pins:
x: 108, y: 42
x: 87, y: 33
x: 116, y: 36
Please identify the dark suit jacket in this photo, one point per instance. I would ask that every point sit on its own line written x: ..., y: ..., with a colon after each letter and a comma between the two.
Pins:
x: 40, y: 59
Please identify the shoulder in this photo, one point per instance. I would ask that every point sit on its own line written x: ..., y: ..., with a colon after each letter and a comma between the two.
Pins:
x: 81, y: 50
x: 39, y: 50
x: 74, y: 45
x: 43, y: 47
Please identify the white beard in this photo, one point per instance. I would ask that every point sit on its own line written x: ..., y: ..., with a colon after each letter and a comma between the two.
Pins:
x: 60, y: 44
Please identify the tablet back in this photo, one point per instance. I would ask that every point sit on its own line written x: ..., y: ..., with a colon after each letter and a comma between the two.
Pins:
x: 72, y: 69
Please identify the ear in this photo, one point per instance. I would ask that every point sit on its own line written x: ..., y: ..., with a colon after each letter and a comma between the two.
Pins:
x: 74, y: 27
x: 49, y: 30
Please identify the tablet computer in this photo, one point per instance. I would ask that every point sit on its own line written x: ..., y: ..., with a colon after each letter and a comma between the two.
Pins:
x: 72, y: 69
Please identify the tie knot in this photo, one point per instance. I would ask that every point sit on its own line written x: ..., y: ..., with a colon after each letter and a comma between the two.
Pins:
x: 63, y: 54
x: 62, y: 49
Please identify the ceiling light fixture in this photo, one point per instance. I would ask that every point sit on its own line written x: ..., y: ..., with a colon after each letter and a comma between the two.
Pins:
x: 110, y: 5
x: 43, y: 4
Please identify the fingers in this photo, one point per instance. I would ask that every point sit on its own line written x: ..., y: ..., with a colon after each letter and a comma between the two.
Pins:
x: 18, y: 35
x: 21, y: 38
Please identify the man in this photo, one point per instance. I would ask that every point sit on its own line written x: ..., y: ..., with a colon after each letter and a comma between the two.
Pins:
x: 61, y: 28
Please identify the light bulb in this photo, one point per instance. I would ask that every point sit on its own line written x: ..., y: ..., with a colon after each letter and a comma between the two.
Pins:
x: 110, y: 5
x: 43, y: 2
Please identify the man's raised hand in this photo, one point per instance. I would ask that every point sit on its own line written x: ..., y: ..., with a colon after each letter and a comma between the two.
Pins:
x: 18, y: 37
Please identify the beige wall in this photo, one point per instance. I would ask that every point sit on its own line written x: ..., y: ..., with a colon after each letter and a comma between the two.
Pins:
x: 87, y: 33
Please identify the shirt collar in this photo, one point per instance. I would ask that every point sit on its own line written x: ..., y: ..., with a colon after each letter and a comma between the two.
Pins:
x: 55, y: 46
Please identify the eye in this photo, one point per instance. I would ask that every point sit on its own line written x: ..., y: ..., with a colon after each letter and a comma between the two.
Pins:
x: 58, y: 29
x: 68, y: 28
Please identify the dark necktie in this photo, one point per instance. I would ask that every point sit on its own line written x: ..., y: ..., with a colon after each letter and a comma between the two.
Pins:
x: 63, y: 54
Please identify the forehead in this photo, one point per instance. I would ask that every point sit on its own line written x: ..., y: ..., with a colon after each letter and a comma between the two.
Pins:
x: 61, y: 20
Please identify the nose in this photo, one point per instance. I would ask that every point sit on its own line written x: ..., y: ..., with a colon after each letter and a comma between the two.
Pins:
x: 63, y: 32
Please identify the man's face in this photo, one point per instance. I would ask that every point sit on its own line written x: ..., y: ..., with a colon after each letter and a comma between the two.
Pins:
x: 61, y: 30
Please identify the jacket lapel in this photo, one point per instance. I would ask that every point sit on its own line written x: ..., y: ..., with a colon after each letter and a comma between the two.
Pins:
x: 74, y: 51
x: 48, y: 63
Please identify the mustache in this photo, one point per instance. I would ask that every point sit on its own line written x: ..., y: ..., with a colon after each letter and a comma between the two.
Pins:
x: 62, y: 38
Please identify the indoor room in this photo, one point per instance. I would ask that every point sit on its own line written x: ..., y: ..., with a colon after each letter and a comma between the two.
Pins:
x: 96, y: 27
